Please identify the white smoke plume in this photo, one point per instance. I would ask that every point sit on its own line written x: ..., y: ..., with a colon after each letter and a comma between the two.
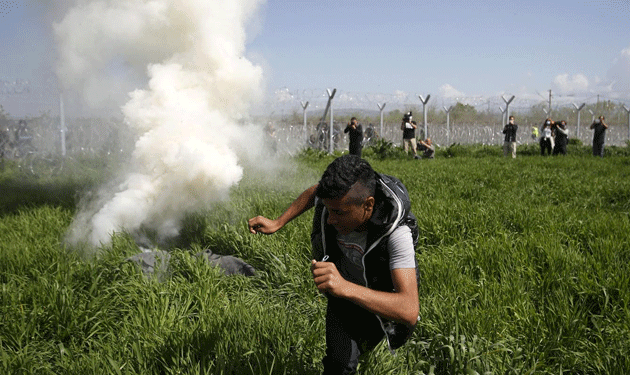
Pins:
x: 197, y: 86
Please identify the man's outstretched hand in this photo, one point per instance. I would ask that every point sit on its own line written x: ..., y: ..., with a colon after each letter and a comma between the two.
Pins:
x: 261, y: 224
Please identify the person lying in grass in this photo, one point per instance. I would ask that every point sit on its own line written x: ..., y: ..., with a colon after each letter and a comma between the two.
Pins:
x: 363, y: 245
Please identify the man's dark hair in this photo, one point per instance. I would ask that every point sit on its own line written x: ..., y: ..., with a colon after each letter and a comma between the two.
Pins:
x: 352, y: 119
x: 342, y: 174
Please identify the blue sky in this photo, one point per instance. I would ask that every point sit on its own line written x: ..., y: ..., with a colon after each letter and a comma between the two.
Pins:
x: 451, y: 49
x: 478, y: 48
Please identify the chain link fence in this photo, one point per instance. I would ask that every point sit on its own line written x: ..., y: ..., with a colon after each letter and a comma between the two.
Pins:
x: 284, y: 114
x: 485, y: 126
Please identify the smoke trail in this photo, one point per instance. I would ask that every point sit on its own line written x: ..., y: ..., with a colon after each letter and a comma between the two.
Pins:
x: 198, y: 86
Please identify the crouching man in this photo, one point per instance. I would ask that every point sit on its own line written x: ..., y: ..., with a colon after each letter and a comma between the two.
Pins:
x: 363, y: 242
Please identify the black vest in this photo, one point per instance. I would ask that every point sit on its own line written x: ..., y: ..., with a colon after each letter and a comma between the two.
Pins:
x: 392, y: 209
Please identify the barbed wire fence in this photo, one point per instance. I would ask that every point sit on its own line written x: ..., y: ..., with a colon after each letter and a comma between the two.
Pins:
x: 284, y: 111
x: 83, y: 136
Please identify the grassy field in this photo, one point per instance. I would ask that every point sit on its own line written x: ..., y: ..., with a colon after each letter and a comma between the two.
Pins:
x: 525, y: 269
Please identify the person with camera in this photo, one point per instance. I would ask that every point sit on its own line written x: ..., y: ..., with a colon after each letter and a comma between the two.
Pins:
x: 599, y: 136
x: 546, y: 137
x: 408, y: 128
x: 356, y: 136
x: 509, y: 143
x: 561, y: 138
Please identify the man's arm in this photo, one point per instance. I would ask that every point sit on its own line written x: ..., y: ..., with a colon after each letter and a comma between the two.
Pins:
x: 399, y: 306
x: 302, y: 203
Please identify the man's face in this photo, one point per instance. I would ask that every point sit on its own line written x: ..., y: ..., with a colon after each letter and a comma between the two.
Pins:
x: 346, y: 215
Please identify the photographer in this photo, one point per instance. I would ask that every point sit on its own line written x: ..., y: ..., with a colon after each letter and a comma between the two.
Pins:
x: 599, y: 136
x: 356, y: 136
x: 546, y: 138
x: 408, y: 128
x: 561, y: 138
x: 509, y: 143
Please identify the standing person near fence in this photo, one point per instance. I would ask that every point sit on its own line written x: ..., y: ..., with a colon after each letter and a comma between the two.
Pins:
x: 363, y: 246
x: 356, y: 137
x: 534, y: 133
x: 599, y: 136
x: 561, y: 138
x: 408, y: 128
x: 509, y: 143
x: 546, y: 137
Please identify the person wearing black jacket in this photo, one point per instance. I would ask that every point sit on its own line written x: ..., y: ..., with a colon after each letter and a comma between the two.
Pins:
x: 599, y: 136
x: 363, y: 238
x: 561, y: 138
x: 408, y: 128
x: 356, y: 136
x: 509, y: 143
x: 546, y: 137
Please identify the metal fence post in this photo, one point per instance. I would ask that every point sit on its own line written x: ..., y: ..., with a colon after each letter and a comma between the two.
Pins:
x: 381, y: 107
x: 448, y: 124
x: 628, y: 110
x: 579, y: 109
x: 424, y: 112
x: 304, y: 105
x: 507, y: 108
x: 62, y: 126
x: 331, y: 94
x: 592, y: 116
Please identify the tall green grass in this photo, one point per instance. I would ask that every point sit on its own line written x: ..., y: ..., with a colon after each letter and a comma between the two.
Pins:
x: 524, y: 266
